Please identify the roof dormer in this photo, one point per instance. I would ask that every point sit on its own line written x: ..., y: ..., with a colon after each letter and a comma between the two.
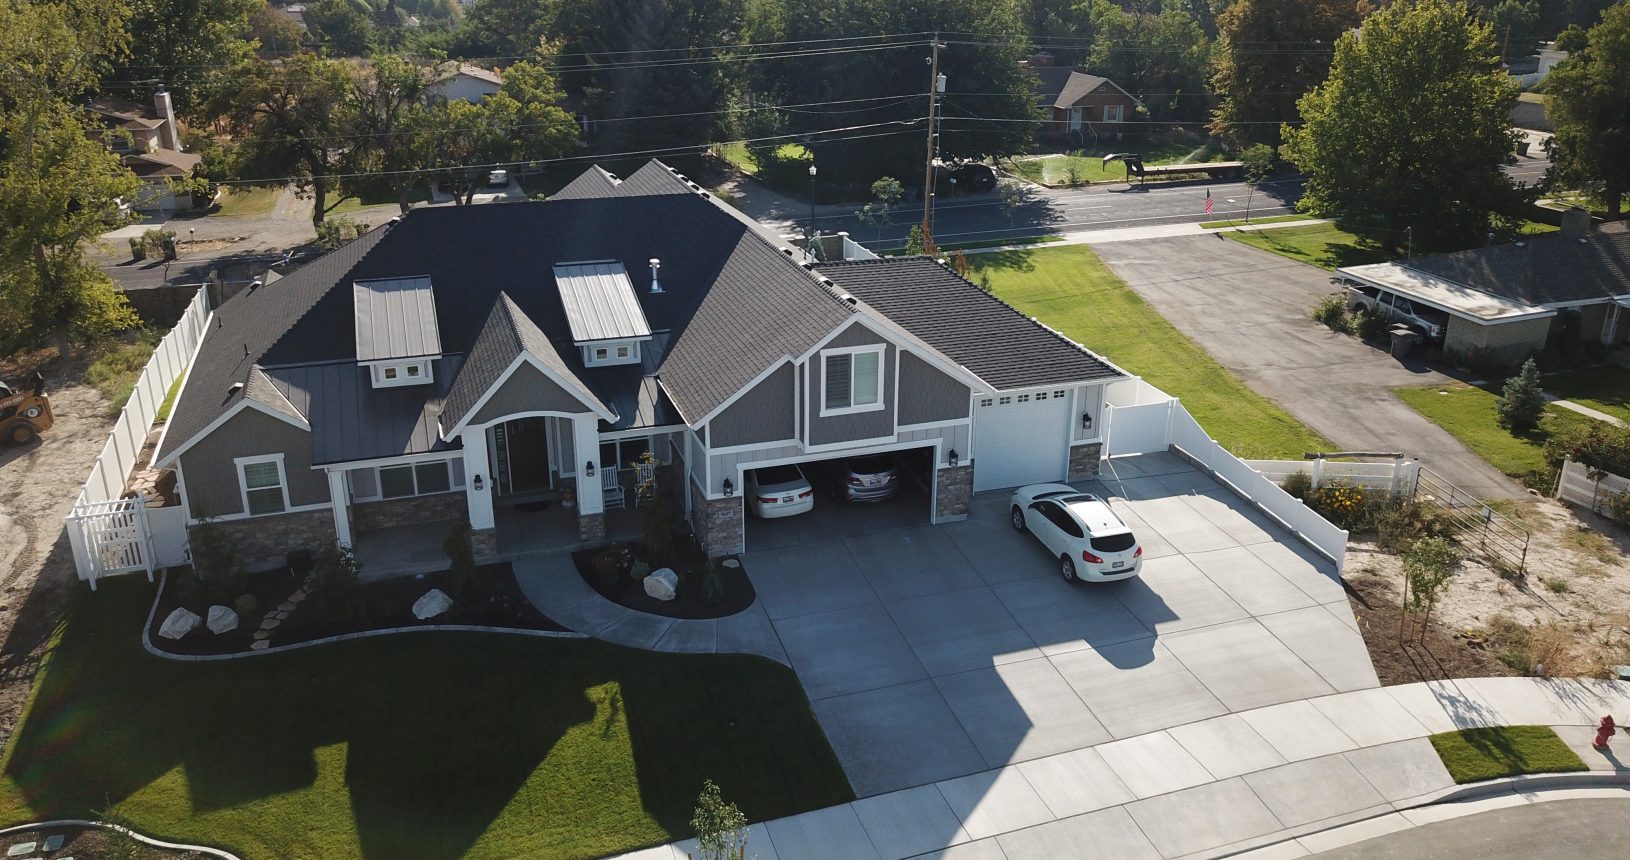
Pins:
x: 397, y: 335
x: 603, y: 312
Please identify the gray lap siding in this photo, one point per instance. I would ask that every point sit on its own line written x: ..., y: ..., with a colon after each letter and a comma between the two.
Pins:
x: 211, y: 475
x: 763, y: 414
x: 836, y: 429
x: 927, y: 395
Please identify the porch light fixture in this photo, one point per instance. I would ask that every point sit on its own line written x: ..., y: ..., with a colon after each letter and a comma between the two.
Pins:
x: 1086, y: 421
x: 729, y: 487
x: 479, y: 484
x: 952, y: 458
x: 588, y: 469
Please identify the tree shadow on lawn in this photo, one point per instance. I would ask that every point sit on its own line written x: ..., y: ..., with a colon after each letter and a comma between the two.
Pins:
x: 453, y: 743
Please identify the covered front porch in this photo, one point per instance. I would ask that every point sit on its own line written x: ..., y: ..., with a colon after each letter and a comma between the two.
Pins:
x: 405, y: 550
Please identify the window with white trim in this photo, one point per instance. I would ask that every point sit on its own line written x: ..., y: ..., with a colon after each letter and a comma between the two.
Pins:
x: 403, y: 480
x: 1112, y: 113
x: 415, y: 372
x: 265, y: 489
x: 852, y: 380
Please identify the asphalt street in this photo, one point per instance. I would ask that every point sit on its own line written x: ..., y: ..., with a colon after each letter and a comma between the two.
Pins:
x: 1554, y: 830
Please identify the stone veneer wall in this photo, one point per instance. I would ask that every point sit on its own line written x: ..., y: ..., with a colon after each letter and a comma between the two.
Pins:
x: 407, y: 511
x: 485, y: 542
x: 264, y: 541
x: 953, y: 492
x: 722, y: 526
x: 1084, y: 460
x: 591, y: 527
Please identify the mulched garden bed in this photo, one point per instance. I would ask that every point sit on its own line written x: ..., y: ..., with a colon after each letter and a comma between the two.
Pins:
x: 1439, y: 656
x: 89, y: 842
x: 386, y: 604
x: 690, y: 599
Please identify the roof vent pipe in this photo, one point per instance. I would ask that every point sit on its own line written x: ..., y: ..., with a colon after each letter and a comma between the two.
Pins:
x: 656, y: 286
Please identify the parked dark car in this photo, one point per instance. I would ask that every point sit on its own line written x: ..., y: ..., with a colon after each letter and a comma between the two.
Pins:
x: 971, y: 177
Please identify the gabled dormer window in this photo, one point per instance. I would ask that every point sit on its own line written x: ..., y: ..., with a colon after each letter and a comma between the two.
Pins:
x: 391, y: 374
x: 611, y: 353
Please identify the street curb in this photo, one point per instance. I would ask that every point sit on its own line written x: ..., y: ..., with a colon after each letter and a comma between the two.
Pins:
x: 145, y: 840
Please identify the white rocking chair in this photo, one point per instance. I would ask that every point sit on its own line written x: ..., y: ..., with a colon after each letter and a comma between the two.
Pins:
x: 611, y: 489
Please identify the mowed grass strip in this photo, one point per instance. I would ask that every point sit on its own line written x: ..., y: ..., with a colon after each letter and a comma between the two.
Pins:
x: 1475, y: 755
x: 1073, y: 291
x: 423, y: 745
x: 1324, y: 245
x: 1468, y: 413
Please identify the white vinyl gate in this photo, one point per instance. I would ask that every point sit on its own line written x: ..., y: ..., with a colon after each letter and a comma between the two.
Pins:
x: 1021, y: 439
x: 115, y: 536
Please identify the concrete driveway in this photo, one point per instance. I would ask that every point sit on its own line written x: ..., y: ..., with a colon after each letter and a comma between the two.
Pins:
x: 1250, y: 310
x: 937, y: 652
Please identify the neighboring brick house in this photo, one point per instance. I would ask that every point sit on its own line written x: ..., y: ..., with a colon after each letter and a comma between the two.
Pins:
x: 478, y: 360
x: 1082, y: 109
x: 148, y: 141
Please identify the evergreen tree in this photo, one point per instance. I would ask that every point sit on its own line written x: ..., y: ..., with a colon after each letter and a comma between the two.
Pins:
x: 1522, y: 401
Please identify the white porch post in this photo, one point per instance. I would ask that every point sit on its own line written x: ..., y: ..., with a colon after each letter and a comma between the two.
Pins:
x: 476, y: 472
x: 340, y: 495
x: 586, y: 447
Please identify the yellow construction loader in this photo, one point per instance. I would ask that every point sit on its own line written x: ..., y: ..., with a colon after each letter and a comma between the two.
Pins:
x: 25, y: 412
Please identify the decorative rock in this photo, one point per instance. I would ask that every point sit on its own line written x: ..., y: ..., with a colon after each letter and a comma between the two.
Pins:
x: 22, y: 848
x: 433, y: 603
x: 52, y: 843
x: 731, y: 563
x: 260, y: 645
x: 178, y: 624
x: 221, y: 619
x: 662, y: 584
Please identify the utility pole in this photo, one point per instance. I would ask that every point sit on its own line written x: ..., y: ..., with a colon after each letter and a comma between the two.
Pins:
x: 934, y: 90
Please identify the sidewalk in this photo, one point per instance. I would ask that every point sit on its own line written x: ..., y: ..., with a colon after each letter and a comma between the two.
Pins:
x: 1583, y: 410
x: 1206, y: 789
x: 1129, y: 234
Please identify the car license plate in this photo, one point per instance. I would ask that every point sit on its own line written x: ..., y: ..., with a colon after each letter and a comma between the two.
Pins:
x: 872, y: 482
x: 787, y: 499
x: 1119, y: 564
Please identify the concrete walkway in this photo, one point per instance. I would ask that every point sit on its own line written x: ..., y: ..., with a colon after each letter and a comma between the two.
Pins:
x: 1130, y: 234
x: 1205, y: 789
x: 1584, y: 410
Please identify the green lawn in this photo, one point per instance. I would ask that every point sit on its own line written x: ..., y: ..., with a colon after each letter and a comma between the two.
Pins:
x: 1001, y: 243
x: 119, y: 363
x: 1468, y: 412
x: 1271, y: 219
x: 1090, y: 167
x: 743, y: 158
x: 1324, y: 245
x: 247, y: 201
x: 1474, y: 755
x: 1071, y: 290
x: 415, y: 746
x: 338, y: 206
x: 1604, y: 389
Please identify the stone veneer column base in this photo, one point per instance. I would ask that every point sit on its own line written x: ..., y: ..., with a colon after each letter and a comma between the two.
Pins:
x: 591, y: 527
x: 722, y: 526
x: 264, y: 541
x: 485, y: 542
x: 953, y: 492
x: 1085, y: 460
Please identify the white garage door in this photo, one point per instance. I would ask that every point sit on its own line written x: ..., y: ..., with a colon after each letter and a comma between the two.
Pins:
x: 1021, y: 439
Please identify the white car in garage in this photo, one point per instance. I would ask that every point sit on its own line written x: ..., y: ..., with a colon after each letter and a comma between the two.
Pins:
x: 779, y: 491
x: 1080, y: 529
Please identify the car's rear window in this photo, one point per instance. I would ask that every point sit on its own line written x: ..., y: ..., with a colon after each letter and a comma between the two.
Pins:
x: 870, y: 465
x: 771, y: 475
x: 1115, y: 543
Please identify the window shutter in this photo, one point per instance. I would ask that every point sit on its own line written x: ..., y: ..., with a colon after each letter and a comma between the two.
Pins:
x: 837, y: 381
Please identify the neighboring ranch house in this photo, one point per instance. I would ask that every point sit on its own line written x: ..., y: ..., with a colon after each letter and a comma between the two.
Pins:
x: 148, y: 141
x: 481, y: 360
x: 1082, y: 108
x: 1505, y: 302
x: 466, y: 83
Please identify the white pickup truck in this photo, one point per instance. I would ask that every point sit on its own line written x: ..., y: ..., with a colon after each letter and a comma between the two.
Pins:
x: 1430, y: 322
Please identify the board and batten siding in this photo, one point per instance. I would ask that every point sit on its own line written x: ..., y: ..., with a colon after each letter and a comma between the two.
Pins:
x: 211, y: 475
x: 1088, y: 399
x: 928, y: 395
x: 855, y: 426
x: 955, y: 436
x: 724, y: 465
x: 527, y: 390
x: 763, y: 414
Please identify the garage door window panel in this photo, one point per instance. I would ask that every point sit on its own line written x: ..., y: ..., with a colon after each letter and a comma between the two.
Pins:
x: 852, y: 381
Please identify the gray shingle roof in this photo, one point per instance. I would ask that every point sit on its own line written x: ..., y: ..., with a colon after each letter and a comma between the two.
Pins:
x: 591, y: 184
x: 395, y: 318
x: 600, y: 302
x: 1076, y: 87
x: 1542, y: 269
x: 508, y: 333
x: 970, y: 326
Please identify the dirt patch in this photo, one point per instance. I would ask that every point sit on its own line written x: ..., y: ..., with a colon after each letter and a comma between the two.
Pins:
x: 1409, y: 658
x: 1569, y: 608
x: 38, y: 484
x: 691, y: 598
x: 88, y: 842
x: 387, y: 604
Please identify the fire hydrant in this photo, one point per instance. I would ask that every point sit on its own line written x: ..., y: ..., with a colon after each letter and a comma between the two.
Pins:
x: 1604, y: 730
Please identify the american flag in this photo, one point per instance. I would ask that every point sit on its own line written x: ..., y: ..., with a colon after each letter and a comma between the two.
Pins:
x: 1208, y: 201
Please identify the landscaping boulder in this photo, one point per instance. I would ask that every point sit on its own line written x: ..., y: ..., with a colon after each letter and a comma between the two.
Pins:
x: 221, y: 620
x: 433, y: 603
x: 178, y: 624
x: 662, y: 584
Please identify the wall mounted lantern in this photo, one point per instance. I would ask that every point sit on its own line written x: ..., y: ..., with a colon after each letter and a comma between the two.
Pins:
x: 589, y: 469
x: 952, y: 458
x: 729, y: 487
x: 479, y: 484
x: 1086, y: 421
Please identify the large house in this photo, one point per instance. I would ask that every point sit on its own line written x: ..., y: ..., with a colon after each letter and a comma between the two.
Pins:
x: 148, y: 141
x: 469, y: 361
x: 1503, y: 303
x: 1081, y: 108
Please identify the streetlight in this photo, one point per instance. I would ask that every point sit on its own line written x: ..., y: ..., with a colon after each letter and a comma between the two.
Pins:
x: 809, y: 235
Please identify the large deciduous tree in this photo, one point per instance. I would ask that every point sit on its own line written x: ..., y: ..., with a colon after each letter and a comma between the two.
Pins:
x: 179, y: 43
x: 287, y: 119
x: 1589, y: 102
x: 1269, y: 54
x: 1411, y: 129
x: 1161, y: 58
x: 59, y: 187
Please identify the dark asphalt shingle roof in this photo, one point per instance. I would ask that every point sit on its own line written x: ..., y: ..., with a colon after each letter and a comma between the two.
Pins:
x: 1542, y: 269
x: 590, y: 184
x: 970, y: 326
x: 508, y: 333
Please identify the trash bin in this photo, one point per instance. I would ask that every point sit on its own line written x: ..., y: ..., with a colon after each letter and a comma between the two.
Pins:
x: 1403, y: 340
x: 1522, y: 147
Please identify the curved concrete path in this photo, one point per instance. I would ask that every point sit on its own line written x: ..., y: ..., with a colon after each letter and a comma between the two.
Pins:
x: 1220, y: 786
x: 552, y: 584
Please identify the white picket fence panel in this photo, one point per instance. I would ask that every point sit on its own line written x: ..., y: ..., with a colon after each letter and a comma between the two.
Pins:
x: 1397, y: 477
x: 1577, y: 486
x: 90, y: 517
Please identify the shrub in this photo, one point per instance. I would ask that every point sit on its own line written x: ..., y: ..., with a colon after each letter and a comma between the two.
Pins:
x: 654, y: 515
x: 460, y: 549
x: 1598, y: 446
x: 639, y: 570
x: 217, y: 572
x: 245, y: 605
x: 1297, y: 484
x: 713, y: 586
x: 1399, y: 522
x: 333, y: 585
x: 1369, y: 325
x: 334, y: 232
x: 1332, y: 312
x: 1522, y: 401
x: 610, y: 562
x: 1341, y: 502
x: 1618, y: 507
x: 721, y: 828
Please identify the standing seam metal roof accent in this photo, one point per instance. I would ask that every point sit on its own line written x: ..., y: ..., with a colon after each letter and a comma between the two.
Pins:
x: 600, y: 302
x: 395, y: 318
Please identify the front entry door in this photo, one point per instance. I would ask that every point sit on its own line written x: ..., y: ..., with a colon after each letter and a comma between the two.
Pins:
x: 523, y: 447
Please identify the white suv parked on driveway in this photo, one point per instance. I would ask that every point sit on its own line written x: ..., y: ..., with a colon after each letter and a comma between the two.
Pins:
x: 1091, y: 543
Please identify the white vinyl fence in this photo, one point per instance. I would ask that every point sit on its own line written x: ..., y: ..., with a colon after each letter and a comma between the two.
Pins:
x: 1147, y: 420
x: 1577, y: 486
x: 1398, y: 477
x: 112, y: 535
